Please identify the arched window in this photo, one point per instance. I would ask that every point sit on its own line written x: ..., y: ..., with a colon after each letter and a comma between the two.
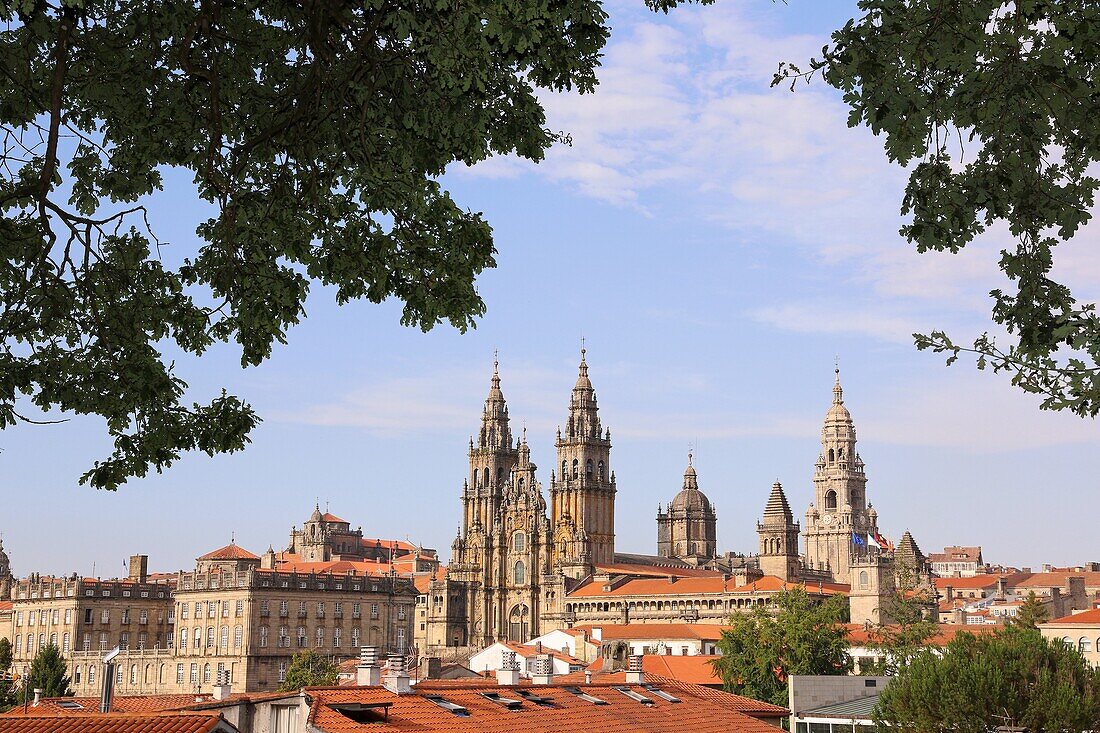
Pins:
x: 832, y: 455
x: 485, y: 476
x: 518, y: 623
x: 198, y: 637
x: 863, y: 579
x: 76, y: 676
x: 238, y: 636
x: 225, y: 636
x: 521, y: 483
x: 830, y: 499
x: 210, y: 636
x: 576, y: 468
x: 519, y: 541
x: 564, y: 470
x: 1084, y: 644
x: 500, y: 473
x: 91, y: 674
x: 588, y: 468
x: 599, y: 470
x: 520, y: 573
x: 840, y: 454
x: 133, y: 674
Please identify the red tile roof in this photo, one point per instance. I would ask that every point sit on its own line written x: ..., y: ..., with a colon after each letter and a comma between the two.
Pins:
x: 119, y: 704
x: 687, y: 586
x: 977, y: 581
x: 333, y: 518
x: 6, y: 605
x: 702, y: 710
x: 656, y: 571
x: 1092, y: 617
x: 1056, y: 579
x: 859, y: 634
x: 611, y: 632
x: 190, y: 722
x: 230, y: 552
x: 527, y: 652
x: 694, y: 669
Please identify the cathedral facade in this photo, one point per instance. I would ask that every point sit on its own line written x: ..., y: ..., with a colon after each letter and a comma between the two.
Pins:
x: 518, y: 562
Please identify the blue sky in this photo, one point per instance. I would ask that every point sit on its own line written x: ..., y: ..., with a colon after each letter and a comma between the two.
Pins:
x: 717, y: 243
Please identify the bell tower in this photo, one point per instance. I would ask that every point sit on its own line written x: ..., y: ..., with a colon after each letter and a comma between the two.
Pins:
x: 838, y: 523
x: 492, y: 457
x: 779, y: 537
x: 583, y: 494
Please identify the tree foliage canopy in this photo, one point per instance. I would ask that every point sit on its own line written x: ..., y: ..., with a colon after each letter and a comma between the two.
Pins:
x: 1012, y: 677
x: 314, y: 132
x: 48, y: 672
x: 7, y: 687
x: 993, y: 106
x: 1031, y: 613
x: 309, y: 669
x: 799, y: 635
x: 910, y: 615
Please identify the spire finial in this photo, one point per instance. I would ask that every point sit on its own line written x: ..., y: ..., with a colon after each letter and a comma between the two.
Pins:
x: 838, y: 392
x: 232, y: 538
x: 496, y: 361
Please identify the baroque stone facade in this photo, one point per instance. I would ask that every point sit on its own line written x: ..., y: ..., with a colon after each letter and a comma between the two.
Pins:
x: 688, y: 526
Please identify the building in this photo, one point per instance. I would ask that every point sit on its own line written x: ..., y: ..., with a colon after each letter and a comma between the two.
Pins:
x: 957, y: 562
x: 687, y: 527
x: 1080, y: 630
x: 833, y: 704
x: 528, y: 657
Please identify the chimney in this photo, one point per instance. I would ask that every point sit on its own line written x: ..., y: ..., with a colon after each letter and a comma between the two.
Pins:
x: 221, y: 689
x: 544, y: 670
x: 508, y: 674
x: 367, y: 673
x: 108, y: 692
x: 597, y: 633
x: 587, y: 676
x: 950, y: 593
x: 139, y: 568
x: 37, y: 696
x: 634, y: 674
x: 431, y: 668
x: 1001, y: 587
x: 396, y: 679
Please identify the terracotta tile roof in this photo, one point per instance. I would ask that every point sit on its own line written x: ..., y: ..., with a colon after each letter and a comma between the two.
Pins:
x: 1092, y: 617
x: 694, y: 669
x: 612, y: 632
x: 120, y: 704
x: 422, y: 583
x: 528, y: 652
x: 333, y: 518
x: 6, y: 605
x: 687, y: 586
x: 1056, y: 580
x: 657, y: 571
x: 859, y: 635
x: 230, y: 552
x: 190, y: 722
x: 701, y: 710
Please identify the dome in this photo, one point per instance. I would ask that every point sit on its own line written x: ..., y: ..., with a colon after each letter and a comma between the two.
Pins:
x: 316, y: 516
x: 837, y: 411
x: 583, y: 382
x: 690, y: 497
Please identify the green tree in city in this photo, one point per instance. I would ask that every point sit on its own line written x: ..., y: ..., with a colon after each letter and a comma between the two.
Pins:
x: 49, y: 673
x: 991, y: 106
x: 309, y: 137
x: 7, y: 687
x: 1013, y: 677
x: 1032, y: 613
x: 796, y: 635
x: 309, y: 669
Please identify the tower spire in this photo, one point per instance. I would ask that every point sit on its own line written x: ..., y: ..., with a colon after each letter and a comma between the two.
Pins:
x: 838, y: 391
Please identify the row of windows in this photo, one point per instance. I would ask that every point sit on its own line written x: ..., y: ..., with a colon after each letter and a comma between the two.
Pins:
x: 703, y: 605
x: 1084, y: 644
x: 212, y: 608
x: 124, y: 639
x: 44, y: 617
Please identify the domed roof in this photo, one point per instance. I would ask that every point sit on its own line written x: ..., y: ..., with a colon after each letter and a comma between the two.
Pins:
x: 316, y: 516
x: 837, y: 410
x: 583, y: 382
x: 690, y: 497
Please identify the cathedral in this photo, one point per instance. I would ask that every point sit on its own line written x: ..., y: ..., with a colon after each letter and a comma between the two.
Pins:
x: 516, y: 560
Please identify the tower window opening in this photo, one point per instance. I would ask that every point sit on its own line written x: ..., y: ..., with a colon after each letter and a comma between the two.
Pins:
x: 576, y: 468
x: 830, y: 498
x: 832, y: 455
x: 599, y: 470
x: 588, y: 469
x: 863, y: 582
x: 519, y: 541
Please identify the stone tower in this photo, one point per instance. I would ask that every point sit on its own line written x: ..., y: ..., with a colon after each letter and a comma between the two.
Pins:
x: 872, y: 587
x: 583, y: 494
x: 779, y: 537
x: 5, y: 573
x: 839, y: 514
x: 688, y: 528
x: 492, y: 458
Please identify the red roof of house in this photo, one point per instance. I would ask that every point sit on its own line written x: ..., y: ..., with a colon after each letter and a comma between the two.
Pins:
x: 171, y: 722
x: 706, y: 710
x: 6, y: 605
x: 1091, y: 617
x: 685, y: 586
x: 232, y: 551
x: 1057, y: 579
x: 859, y: 634
x: 694, y: 669
x: 119, y: 704
x: 527, y: 652
x: 611, y: 632
x: 333, y: 518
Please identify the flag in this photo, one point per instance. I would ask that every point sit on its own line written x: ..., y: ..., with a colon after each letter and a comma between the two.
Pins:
x: 881, y: 541
x: 857, y: 540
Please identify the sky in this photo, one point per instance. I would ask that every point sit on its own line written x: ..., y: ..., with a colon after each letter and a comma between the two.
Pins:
x: 719, y: 245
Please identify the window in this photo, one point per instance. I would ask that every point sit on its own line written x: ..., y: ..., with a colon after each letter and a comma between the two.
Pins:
x: 76, y: 676
x: 1084, y: 644
x: 18, y: 643
x: 238, y: 637
x: 87, y: 616
x: 401, y: 612
x: 863, y: 579
x: 320, y: 609
x: 125, y: 615
x: 338, y: 610
x: 183, y: 639
x: 31, y: 616
x: 282, y: 671
x: 209, y: 636
x: 599, y: 473
x: 206, y: 672
x: 301, y: 609
x: 65, y: 642
x: 301, y: 636
x: 105, y: 616
x: 225, y: 609
x: 102, y: 640
x: 198, y: 609
x: 519, y: 539
x: 143, y: 617
x: 263, y: 636
x: 19, y: 617
x: 355, y: 610
x: 86, y: 643
x: 283, y: 608
x: 284, y: 637
x: 588, y: 469
x: 401, y: 640
x: 225, y: 637
x: 336, y: 634
x: 320, y: 636
x: 124, y: 640
x: 194, y: 673
x: 374, y: 610
x: 519, y: 573
x: 576, y: 469
x: 68, y: 616
x: 118, y: 675
x: 54, y: 616
x: 179, y: 674
x: 355, y: 637
x: 53, y: 639
x: 169, y: 639
x: 830, y: 499
x: 91, y: 674
x: 133, y: 674
x: 240, y: 607
x: 184, y: 608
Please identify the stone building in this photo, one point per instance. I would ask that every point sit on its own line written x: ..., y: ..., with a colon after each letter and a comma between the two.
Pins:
x: 778, y: 533
x: 5, y: 573
x: 86, y: 617
x: 687, y: 527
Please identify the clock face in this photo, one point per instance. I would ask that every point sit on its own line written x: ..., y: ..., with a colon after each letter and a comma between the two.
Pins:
x: 828, y: 518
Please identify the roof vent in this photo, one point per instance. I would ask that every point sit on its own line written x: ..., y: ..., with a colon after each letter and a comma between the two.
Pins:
x: 448, y: 705
x: 396, y: 679
x: 585, y: 696
x: 634, y: 674
x: 507, y: 702
x: 635, y: 695
x: 367, y: 672
x: 508, y: 674
x: 543, y: 673
x: 660, y: 693
x: 529, y: 696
